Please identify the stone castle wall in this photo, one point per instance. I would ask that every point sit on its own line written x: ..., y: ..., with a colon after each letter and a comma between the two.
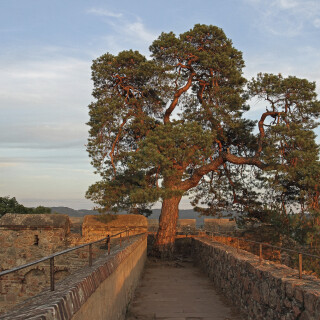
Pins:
x: 263, y: 291
x: 30, y: 237
x: 102, y: 291
x: 93, y: 229
x: 219, y: 225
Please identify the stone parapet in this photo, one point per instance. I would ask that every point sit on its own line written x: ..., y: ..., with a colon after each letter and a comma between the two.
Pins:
x: 94, y: 229
x: 102, y: 291
x: 186, y: 225
x: 263, y: 291
x: 219, y: 225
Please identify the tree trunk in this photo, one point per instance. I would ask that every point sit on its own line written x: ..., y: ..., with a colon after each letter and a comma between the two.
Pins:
x: 163, y: 246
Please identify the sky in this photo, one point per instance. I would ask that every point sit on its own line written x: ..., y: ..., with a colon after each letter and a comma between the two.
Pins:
x: 46, y: 51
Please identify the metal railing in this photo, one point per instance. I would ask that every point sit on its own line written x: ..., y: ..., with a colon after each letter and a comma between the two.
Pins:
x: 237, y: 240
x: 90, y: 254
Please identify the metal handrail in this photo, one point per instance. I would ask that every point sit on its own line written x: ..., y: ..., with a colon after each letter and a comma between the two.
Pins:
x: 300, y: 253
x: 51, y: 257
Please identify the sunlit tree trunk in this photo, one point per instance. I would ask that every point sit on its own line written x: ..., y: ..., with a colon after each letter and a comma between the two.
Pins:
x: 163, y: 246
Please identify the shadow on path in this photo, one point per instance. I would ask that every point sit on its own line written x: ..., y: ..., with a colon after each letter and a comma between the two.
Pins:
x: 178, y: 291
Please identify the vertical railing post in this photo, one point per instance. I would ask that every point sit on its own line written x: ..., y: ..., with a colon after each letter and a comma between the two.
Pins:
x: 52, y: 274
x: 108, y: 243
x: 260, y: 252
x: 120, y: 240
x: 238, y: 244
x: 90, y: 254
x: 300, y: 265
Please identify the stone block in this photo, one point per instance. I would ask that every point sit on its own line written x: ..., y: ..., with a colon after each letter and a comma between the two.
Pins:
x: 256, y: 293
x: 305, y: 315
x: 10, y: 297
x: 310, y: 300
x: 289, y: 289
x: 298, y: 294
x: 296, y: 309
x: 287, y: 303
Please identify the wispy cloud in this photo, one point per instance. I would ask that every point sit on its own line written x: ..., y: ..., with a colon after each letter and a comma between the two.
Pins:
x: 48, y: 84
x: 128, y: 31
x: 287, y: 17
x: 104, y: 12
x: 8, y: 164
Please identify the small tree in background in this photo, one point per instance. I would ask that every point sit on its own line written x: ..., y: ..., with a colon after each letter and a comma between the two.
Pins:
x: 173, y: 125
x: 11, y: 205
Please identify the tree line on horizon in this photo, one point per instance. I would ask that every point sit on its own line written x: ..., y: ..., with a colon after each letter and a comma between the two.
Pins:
x: 11, y: 205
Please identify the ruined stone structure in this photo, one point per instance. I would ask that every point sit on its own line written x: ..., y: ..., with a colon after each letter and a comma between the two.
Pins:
x: 94, y: 229
x: 28, y: 237
x: 263, y: 290
x: 183, y: 225
x: 153, y: 225
x: 187, y: 226
x: 102, y: 291
x: 219, y: 225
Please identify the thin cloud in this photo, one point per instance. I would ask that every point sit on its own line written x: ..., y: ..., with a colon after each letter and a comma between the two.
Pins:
x: 129, y: 34
x: 126, y: 32
x: 286, y: 17
x: 8, y: 164
x: 104, y: 12
x: 44, y: 136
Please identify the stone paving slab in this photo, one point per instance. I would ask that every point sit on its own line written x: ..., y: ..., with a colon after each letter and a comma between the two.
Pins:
x: 178, y: 291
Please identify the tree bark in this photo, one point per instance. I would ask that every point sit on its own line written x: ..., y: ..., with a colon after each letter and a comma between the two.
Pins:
x: 163, y: 246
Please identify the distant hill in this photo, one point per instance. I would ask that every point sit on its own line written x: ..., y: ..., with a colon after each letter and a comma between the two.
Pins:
x: 72, y: 212
x: 183, y: 214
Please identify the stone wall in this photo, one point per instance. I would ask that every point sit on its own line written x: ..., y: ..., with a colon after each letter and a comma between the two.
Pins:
x: 153, y: 225
x: 263, y: 291
x: 219, y: 225
x: 93, y: 229
x: 186, y: 226
x: 183, y: 225
x: 29, y: 237
x: 102, y: 291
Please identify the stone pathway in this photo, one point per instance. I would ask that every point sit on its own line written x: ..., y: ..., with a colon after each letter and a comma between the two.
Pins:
x: 178, y: 291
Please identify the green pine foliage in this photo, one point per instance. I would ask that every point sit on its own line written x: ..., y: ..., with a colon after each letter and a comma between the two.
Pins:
x: 11, y: 205
x: 174, y: 125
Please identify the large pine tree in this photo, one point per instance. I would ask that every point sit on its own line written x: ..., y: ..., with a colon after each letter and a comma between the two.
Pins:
x: 163, y: 127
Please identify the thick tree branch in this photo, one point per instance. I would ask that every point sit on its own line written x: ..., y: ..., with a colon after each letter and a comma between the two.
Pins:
x: 111, y: 154
x: 261, y: 129
x: 176, y: 98
x: 244, y: 160
x: 199, y: 173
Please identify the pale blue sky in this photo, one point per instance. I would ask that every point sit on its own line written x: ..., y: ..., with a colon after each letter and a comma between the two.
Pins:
x: 45, y: 87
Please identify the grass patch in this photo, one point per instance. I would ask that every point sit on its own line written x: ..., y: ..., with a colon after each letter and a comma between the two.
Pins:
x: 106, y: 217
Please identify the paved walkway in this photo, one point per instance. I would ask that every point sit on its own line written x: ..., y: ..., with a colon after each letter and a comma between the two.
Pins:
x: 178, y: 291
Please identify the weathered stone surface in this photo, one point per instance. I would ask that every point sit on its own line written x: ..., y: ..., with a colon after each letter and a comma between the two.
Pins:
x: 94, y: 292
x: 266, y: 290
x: 153, y: 225
x: 29, y: 237
x: 22, y: 221
x: 219, y: 225
x: 93, y: 229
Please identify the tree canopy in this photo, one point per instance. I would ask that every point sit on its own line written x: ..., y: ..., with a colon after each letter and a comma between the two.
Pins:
x: 174, y: 124
x: 11, y: 205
